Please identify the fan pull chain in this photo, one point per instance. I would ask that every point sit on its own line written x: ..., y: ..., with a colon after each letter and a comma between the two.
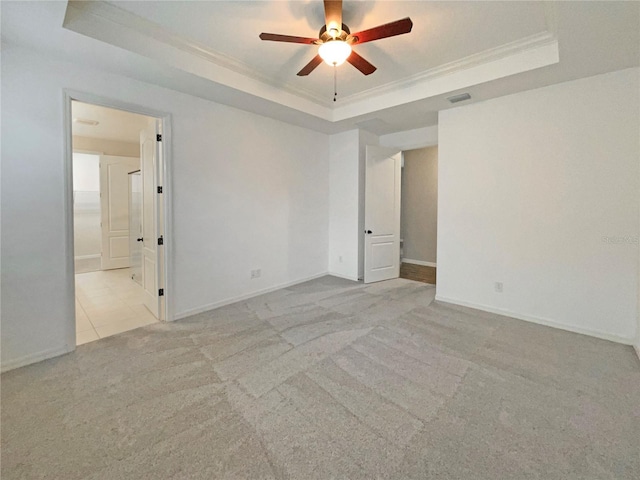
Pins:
x: 335, y: 82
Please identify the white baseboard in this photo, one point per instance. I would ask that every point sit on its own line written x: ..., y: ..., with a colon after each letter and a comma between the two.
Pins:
x: 539, y: 321
x: 346, y: 277
x: 34, y: 358
x: 87, y: 257
x: 229, y: 301
x: 419, y: 262
x: 637, y: 349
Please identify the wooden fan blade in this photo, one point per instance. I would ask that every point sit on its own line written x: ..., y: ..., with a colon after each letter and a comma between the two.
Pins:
x: 392, y: 29
x: 360, y: 63
x: 333, y: 14
x: 311, y: 66
x: 274, y: 37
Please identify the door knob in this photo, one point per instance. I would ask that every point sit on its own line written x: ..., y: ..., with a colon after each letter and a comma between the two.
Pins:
x: 368, y: 232
x: 139, y: 239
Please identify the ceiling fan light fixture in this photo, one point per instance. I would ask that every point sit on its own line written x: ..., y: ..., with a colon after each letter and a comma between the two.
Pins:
x: 334, y: 52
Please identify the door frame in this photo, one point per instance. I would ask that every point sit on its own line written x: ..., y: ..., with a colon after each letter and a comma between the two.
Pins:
x: 414, y: 143
x: 386, y: 154
x: 167, y: 217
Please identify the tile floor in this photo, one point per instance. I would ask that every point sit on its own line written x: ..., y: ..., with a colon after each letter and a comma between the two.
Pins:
x: 108, y: 302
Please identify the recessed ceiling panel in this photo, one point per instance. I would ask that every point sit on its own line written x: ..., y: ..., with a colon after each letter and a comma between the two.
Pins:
x: 443, y: 32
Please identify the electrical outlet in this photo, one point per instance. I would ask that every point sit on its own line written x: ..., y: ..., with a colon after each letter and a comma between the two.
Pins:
x: 256, y: 273
x: 498, y: 287
x: 340, y: 258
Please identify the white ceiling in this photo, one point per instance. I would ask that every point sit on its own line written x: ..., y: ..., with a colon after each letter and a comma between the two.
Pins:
x: 212, y: 50
x: 443, y: 32
x: 112, y: 124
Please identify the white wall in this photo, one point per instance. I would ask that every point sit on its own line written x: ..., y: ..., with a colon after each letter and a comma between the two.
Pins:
x: 637, y: 343
x: 347, y: 183
x: 532, y: 188
x: 248, y: 192
x: 344, y: 204
x: 411, y: 139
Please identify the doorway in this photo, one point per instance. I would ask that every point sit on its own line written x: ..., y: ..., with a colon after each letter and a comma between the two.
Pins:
x: 419, y: 215
x: 116, y: 170
x: 401, y: 207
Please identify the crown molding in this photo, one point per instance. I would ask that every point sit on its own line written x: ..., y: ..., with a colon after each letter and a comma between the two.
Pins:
x: 109, y: 23
x: 486, y: 56
x: 105, y: 11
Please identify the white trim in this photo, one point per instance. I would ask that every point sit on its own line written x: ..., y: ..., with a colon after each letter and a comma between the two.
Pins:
x: 419, y: 262
x: 346, y: 277
x: 239, y: 298
x: 481, y: 58
x: 68, y: 214
x: 116, y: 26
x: 538, y: 320
x: 457, y: 80
x: 87, y: 257
x: 99, y: 15
x: 166, y: 146
x: 637, y: 349
x: 35, y: 357
x: 411, y: 139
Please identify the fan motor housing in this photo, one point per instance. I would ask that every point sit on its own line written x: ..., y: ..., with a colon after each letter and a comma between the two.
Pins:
x: 325, y: 37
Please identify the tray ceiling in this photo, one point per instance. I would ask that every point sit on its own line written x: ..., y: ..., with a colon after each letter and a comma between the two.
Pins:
x: 443, y: 32
x: 212, y: 50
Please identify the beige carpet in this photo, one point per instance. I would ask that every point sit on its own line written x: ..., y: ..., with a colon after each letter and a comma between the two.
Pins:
x: 329, y: 380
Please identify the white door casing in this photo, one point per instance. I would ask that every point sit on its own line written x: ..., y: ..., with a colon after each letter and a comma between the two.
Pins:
x: 151, y: 265
x: 114, y: 209
x: 382, y: 214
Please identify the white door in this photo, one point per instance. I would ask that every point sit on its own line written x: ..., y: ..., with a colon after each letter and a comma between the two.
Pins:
x: 114, y: 209
x: 151, y: 261
x: 382, y: 214
x: 135, y: 226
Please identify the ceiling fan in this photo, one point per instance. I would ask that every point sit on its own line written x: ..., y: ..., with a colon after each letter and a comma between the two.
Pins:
x: 335, y: 40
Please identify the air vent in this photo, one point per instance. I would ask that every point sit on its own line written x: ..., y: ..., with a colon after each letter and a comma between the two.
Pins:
x: 459, y: 98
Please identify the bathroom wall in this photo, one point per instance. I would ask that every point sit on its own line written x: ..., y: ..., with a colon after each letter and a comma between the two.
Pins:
x: 86, y: 206
x: 419, y: 211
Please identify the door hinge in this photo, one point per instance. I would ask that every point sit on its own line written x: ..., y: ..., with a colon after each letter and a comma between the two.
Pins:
x: 161, y: 292
x: 159, y: 137
x: 159, y: 189
x: 160, y: 240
